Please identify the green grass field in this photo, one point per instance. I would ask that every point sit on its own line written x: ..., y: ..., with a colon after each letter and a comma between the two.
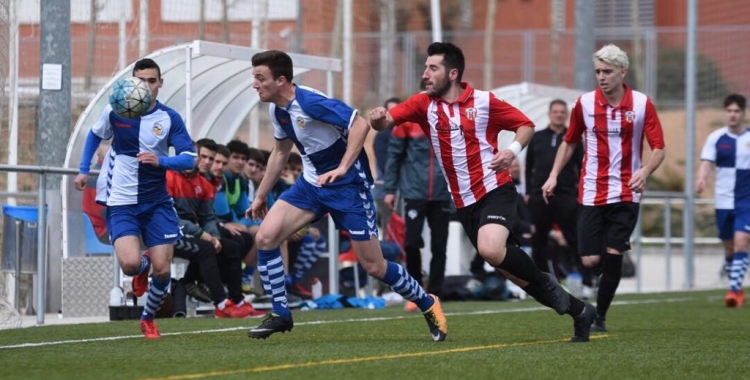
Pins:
x: 652, y: 336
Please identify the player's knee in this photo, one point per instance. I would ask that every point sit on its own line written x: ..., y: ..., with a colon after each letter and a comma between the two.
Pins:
x: 492, y: 254
x: 264, y: 240
x: 161, y: 272
x: 130, y: 268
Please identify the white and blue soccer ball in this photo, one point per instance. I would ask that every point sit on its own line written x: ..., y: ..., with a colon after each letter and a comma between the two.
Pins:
x: 130, y: 97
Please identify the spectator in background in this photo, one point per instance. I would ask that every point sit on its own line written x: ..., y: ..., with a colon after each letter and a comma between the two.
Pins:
x: 380, y: 148
x: 216, y: 173
x: 413, y: 171
x: 727, y: 149
x: 96, y: 212
x: 254, y: 170
x: 612, y: 121
x: 562, y: 209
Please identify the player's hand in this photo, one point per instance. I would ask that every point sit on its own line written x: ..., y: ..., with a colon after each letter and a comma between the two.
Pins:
x: 232, y: 228
x: 297, y: 236
x: 80, y: 181
x: 502, y: 160
x: 378, y: 113
x: 331, y: 176
x: 258, y: 209
x: 700, y: 185
x: 638, y: 181
x: 390, y: 201
x: 148, y: 158
x: 217, y: 244
x: 314, y: 232
x: 548, y: 189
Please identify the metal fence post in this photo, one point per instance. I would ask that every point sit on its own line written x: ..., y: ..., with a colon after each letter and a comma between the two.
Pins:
x: 41, y: 233
x: 668, y: 240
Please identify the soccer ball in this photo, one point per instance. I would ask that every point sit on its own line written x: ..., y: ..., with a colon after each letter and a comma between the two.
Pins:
x: 130, y: 97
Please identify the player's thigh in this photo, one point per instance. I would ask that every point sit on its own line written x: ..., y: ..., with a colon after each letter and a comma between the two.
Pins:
x: 352, y: 209
x: 591, y: 240
x: 282, y: 220
x: 621, y: 220
x: 497, y: 214
x: 725, y: 224
x: 370, y: 255
x: 742, y: 231
x: 414, y: 215
x: 159, y: 224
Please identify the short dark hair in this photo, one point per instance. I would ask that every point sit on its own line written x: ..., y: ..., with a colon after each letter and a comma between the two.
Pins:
x: 256, y: 155
x: 560, y: 102
x: 294, y: 159
x: 223, y: 150
x: 391, y: 100
x: 737, y: 99
x: 147, y: 63
x: 453, y: 57
x: 277, y: 61
x: 238, y: 147
x: 206, y: 143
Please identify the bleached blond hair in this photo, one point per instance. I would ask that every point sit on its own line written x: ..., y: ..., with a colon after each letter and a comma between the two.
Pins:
x: 613, y: 55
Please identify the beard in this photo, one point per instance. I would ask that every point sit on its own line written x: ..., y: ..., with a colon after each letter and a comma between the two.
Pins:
x: 439, y: 89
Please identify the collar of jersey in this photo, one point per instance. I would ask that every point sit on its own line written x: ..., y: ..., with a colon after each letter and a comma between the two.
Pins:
x: 461, y: 99
x: 627, y: 99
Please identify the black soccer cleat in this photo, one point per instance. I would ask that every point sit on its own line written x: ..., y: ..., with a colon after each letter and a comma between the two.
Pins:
x: 582, y: 323
x: 272, y: 324
x: 598, y: 324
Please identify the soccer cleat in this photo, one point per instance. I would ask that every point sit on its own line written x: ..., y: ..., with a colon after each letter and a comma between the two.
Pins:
x: 241, y: 310
x: 149, y: 329
x: 598, y: 325
x: 140, y: 281
x: 582, y: 323
x: 272, y: 324
x: 734, y: 298
x: 300, y: 291
x: 436, y: 320
x: 411, y: 307
x: 194, y: 290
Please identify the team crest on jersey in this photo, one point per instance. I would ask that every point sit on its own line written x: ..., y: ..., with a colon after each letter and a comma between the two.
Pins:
x: 629, y: 116
x: 471, y: 113
x: 198, y: 190
x: 300, y: 122
x: 158, y: 129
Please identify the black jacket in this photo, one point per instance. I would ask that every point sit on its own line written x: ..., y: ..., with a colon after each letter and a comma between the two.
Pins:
x: 540, y: 156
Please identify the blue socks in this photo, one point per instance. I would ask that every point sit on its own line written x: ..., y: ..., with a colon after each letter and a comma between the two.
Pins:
x: 271, y: 270
x: 405, y: 285
x: 737, y: 273
x: 157, y: 291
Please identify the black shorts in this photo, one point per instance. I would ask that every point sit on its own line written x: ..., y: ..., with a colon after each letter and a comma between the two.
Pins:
x: 498, y: 207
x: 607, y: 226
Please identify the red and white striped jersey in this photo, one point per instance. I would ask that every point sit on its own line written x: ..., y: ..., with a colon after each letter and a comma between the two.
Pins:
x: 613, y: 144
x: 463, y: 135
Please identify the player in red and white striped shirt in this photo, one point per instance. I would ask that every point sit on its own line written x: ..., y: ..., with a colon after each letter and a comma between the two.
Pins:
x: 462, y: 124
x: 612, y: 121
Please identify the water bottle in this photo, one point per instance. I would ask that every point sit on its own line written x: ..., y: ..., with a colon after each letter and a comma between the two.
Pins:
x: 317, y: 288
x: 575, y: 284
x: 116, y: 297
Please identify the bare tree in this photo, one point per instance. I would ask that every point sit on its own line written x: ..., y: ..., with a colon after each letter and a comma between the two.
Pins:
x: 225, y: 21
x: 202, y: 20
x: 96, y: 6
x: 387, y: 48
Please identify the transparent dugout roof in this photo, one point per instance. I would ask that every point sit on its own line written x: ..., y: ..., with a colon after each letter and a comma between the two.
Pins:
x: 218, y: 78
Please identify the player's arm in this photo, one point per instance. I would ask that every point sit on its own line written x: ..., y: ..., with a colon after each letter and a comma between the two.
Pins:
x: 413, y: 109
x: 357, y: 134
x: 503, y: 116
x: 655, y: 137
x: 179, y: 138
x: 276, y: 162
x: 704, y: 169
x: 101, y: 130
x: 566, y: 150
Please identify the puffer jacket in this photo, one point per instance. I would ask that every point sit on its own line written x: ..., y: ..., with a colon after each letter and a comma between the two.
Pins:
x: 412, y: 168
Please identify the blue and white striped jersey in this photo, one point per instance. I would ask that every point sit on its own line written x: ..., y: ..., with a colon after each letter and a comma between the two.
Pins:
x: 731, y: 155
x: 319, y: 127
x: 125, y: 181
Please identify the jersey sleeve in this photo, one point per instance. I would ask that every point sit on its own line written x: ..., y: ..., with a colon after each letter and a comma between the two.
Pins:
x: 278, y: 132
x: 577, y: 125
x: 328, y: 110
x: 652, y: 127
x: 102, y: 127
x: 413, y: 109
x: 708, y: 153
x: 179, y: 137
x: 503, y: 116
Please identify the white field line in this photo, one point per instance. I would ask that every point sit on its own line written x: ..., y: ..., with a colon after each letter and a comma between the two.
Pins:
x: 350, y: 320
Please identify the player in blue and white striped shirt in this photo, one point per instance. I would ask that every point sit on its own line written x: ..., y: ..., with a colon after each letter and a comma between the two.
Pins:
x: 132, y: 183
x: 336, y: 179
x: 728, y: 150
